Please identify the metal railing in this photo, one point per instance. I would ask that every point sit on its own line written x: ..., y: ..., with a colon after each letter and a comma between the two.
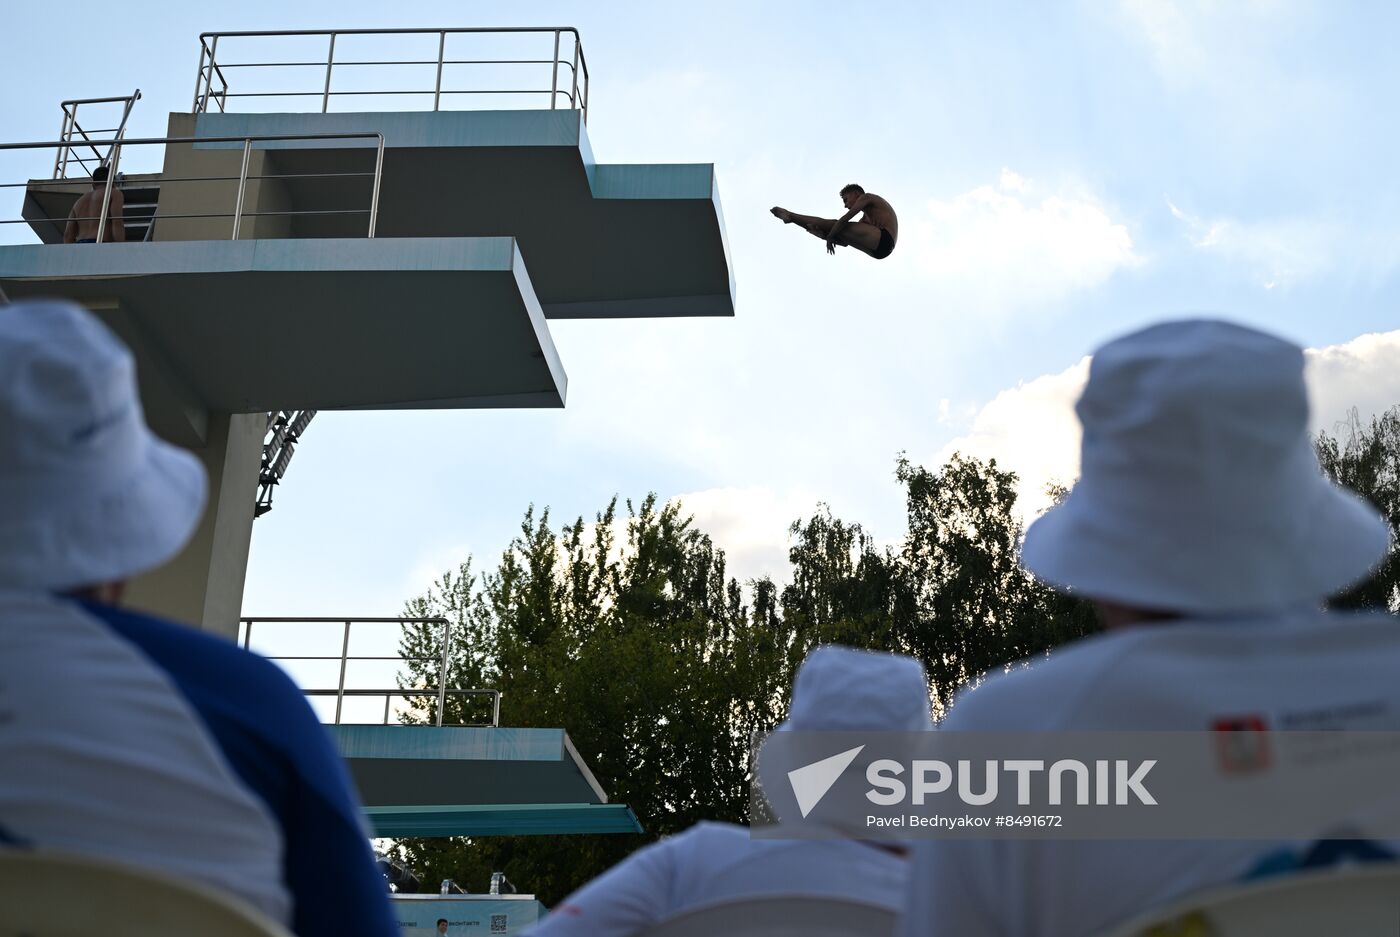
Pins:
x: 71, y: 130
x: 340, y: 692
x: 571, y: 86
x: 243, y: 177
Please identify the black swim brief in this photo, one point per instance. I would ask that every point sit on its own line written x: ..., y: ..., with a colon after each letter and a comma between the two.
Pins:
x: 886, y: 246
x: 94, y: 241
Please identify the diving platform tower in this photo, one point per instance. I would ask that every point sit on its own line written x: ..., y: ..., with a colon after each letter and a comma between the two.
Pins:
x: 323, y: 257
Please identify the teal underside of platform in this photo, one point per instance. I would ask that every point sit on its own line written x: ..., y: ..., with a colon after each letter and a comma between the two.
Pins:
x: 480, y: 769
x: 502, y: 820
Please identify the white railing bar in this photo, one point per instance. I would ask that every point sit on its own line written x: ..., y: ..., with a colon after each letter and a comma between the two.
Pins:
x: 209, y: 82
x: 437, y: 88
x: 317, y: 94
x: 209, y: 45
x: 554, y: 86
x: 217, y: 214
x: 343, y: 63
x: 111, y: 100
x: 198, y: 77
x: 302, y: 619
x: 417, y: 30
x: 442, y: 677
x: 58, y: 154
x: 242, y: 186
x: 392, y: 691
x: 573, y: 95
x: 374, y: 193
x: 238, y: 138
x: 344, y: 654
x: 330, y: 61
x: 159, y: 180
x: 107, y: 190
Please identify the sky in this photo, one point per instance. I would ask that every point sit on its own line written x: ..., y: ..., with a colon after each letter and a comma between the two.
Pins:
x: 1064, y: 172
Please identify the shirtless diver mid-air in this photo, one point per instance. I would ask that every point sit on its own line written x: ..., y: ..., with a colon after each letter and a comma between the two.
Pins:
x: 875, y: 233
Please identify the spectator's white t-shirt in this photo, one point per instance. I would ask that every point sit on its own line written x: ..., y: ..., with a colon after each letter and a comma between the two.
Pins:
x: 712, y: 861
x: 101, y: 755
x: 1291, y: 668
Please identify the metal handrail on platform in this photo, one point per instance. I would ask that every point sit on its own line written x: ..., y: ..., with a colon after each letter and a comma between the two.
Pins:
x: 71, y: 130
x: 117, y: 145
x: 441, y: 692
x: 574, y: 87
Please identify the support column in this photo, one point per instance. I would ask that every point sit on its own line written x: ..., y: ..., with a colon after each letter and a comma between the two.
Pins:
x: 203, y: 585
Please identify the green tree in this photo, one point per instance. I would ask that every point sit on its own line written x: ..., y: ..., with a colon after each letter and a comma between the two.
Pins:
x: 951, y: 594
x: 974, y: 608
x: 662, y: 668
x: 643, y: 650
x: 1368, y: 462
x: 842, y: 589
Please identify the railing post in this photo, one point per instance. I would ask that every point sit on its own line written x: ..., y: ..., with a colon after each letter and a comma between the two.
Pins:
x: 386, y: 708
x: 58, y: 153
x: 242, y: 185
x: 340, y: 689
x: 209, y: 79
x: 248, y: 634
x: 199, y: 75
x: 496, y: 711
x: 330, y: 61
x: 573, y: 95
x: 126, y: 112
x: 442, y: 46
x: 554, y: 84
x: 442, y: 676
x: 374, y: 193
x: 107, y: 191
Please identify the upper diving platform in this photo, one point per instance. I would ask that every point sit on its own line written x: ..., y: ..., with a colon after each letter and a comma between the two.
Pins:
x: 365, y: 245
x: 601, y: 240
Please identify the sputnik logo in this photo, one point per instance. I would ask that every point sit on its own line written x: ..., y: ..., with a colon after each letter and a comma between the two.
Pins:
x: 811, y: 782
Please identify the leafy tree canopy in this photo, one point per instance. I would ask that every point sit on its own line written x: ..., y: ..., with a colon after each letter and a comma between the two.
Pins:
x: 628, y: 633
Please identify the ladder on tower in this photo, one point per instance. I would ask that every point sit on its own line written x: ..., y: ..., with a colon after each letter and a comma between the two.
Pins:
x: 284, y: 429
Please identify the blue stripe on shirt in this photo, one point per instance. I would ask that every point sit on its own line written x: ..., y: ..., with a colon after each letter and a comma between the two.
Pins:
x: 279, y: 749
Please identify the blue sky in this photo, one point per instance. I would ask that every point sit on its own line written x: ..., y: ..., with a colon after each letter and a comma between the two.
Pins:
x: 1063, y: 172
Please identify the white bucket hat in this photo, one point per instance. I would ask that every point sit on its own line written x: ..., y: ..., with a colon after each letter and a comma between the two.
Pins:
x: 842, y: 689
x: 88, y: 494
x: 1199, y: 489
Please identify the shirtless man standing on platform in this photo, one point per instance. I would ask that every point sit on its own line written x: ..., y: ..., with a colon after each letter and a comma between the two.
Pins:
x: 86, y: 215
x: 875, y: 233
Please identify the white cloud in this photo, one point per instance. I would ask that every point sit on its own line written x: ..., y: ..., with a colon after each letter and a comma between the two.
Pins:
x: 1012, y: 182
x: 751, y: 526
x: 1278, y: 252
x: 1032, y: 430
x: 1363, y: 373
x: 1009, y: 242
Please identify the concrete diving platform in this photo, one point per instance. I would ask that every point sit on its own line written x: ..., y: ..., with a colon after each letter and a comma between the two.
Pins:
x: 602, y: 240
x: 343, y: 323
x: 429, y: 781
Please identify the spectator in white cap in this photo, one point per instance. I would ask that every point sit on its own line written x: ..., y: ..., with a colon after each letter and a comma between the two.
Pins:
x: 837, y: 689
x: 121, y: 735
x: 101, y: 753
x: 1204, y: 532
